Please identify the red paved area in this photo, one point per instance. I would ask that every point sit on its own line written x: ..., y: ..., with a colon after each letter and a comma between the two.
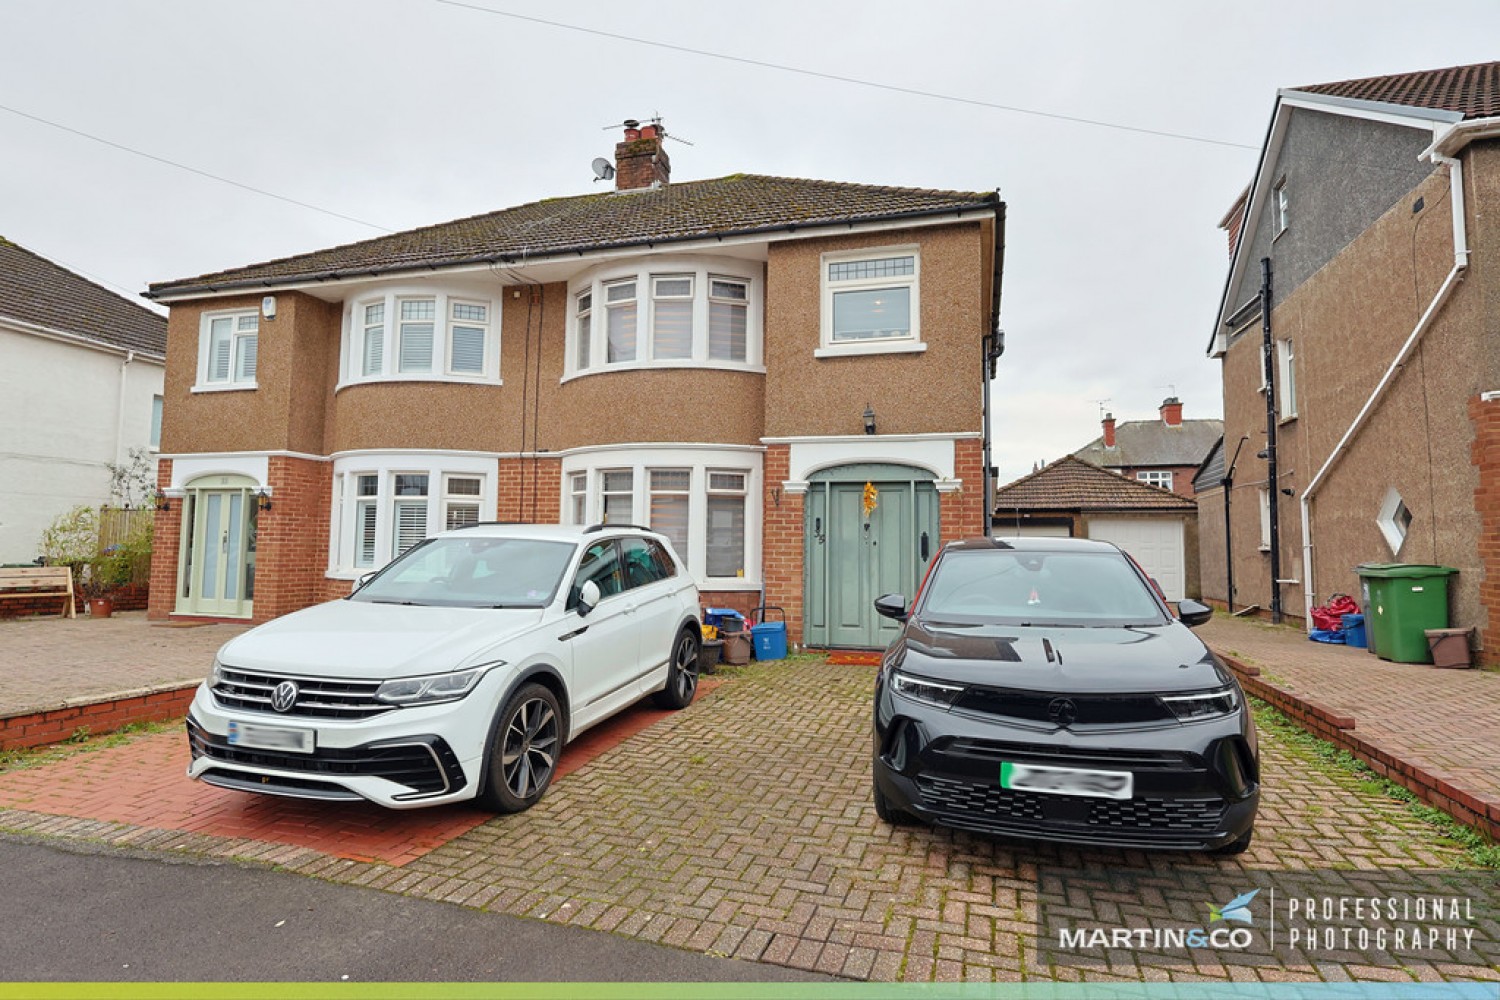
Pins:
x: 144, y: 783
x: 1436, y: 731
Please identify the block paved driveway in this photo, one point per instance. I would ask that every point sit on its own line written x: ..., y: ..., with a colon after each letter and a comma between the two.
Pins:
x: 742, y: 826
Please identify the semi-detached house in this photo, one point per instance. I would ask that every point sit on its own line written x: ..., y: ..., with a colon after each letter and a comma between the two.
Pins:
x: 728, y: 361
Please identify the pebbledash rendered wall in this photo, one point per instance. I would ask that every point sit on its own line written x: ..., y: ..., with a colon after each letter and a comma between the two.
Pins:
x: 298, y: 412
x: 1431, y: 437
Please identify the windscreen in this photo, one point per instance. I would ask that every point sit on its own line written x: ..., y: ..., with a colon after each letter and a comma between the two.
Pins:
x: 473, y: 572
x: 1013, y: 587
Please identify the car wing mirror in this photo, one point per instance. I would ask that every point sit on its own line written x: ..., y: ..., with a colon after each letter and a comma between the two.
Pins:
x: 588, y: 598
x: 1192, y: 614
x: 892, y: 606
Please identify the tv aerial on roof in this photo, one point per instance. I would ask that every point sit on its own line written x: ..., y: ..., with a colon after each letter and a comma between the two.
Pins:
x: 653, y: 120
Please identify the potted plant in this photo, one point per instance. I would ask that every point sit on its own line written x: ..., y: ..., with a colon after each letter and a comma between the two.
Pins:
x: 109, y: 570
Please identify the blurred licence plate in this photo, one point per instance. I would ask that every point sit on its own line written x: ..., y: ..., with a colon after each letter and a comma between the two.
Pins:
x: 270, y: 738
x: 1066, y: 781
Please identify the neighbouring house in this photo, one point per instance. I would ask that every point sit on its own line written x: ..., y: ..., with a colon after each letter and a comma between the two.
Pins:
x: 1074, y: 498
x: 1165, y: 452
x: 728, y: 361
x: 80, y: 389
x: 1356, y: 332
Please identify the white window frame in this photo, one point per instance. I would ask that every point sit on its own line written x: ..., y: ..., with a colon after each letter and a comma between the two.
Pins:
x: 910, y: 342
x: 645, y: 271
x: 1389, y: 523
x: 742, y: 492
x: 1155, y: 477
x: 343, y: 544
x: 154, y: 438
x: 1265, y: 519
x: 1281, y: 209
x: 461, y: 501
x: 1286, y: 379
x: 685, y: 493
x: 698, y: 460
x: 232, y: 380
x: 354, y: 352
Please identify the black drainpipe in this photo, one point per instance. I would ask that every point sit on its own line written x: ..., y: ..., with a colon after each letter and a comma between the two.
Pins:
x: 992, y: 345
x: 1228, y: 484
x: 1268, y: 363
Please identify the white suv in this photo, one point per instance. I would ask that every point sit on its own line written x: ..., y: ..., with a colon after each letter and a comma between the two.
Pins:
x: 456, y: 672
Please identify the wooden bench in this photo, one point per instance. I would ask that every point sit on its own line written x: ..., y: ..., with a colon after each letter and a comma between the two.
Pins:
x: 30, y: 583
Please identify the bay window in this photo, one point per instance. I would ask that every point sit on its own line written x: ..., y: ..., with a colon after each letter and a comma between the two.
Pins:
x: 666, y: 312
x: 424, y: 336
x: 384, y: 503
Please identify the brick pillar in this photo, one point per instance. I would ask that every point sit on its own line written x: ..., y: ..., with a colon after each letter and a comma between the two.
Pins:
x: 962, y: 511
x: 291, y: 557
x: 165, y: 545
x: 529, y: 490
x: 782, y: 541
x: 1485, y: 455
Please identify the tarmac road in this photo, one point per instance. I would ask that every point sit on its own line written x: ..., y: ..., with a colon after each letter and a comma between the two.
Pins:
x: 100, y: 915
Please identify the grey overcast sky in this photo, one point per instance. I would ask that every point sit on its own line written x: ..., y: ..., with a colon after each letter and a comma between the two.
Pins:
x: 402, y: 113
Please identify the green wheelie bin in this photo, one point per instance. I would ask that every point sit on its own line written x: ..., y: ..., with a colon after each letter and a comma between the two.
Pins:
x: 1404, y: 601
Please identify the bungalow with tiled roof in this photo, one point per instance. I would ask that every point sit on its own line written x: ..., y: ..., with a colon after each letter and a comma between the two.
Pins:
x: 1074, y: 498
x: 80, y: 388
x: 1357, y: 335
x: 728, y: 361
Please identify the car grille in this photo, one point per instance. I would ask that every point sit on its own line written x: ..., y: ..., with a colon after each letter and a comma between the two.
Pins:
x: 1189, y: 817
x: 426, y: 764
x: 1088, y: 709
x: 1123, y: 759
x: 317, y: 697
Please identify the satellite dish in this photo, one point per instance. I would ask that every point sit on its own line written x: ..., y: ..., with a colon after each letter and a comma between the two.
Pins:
x: 603, y: 169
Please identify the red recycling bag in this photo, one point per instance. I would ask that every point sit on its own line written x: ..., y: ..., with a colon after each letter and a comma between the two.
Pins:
x: 1331, y: 615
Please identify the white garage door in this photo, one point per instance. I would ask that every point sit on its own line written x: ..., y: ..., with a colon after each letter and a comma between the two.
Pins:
x: 1028, y: 530
x: 1157, y: 544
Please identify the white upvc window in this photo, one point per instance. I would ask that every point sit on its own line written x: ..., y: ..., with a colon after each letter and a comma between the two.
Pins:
x: 384, y: 503
x: 620, y: 315
x: 703, y: 498
x: 871, y: 302
x: 155, y: 439
x: 728, y: 318
x: 1281, y: 210
x: 1155, y: 477
x: 228, y: 348
x: 1394, y: 520
x: 1265, y: 519
x: 671, y: 501
x: 726, y: 523
x: 407, y: 334
x: 1286, y: 374
x: 665, y: 312
x: 462, y: 501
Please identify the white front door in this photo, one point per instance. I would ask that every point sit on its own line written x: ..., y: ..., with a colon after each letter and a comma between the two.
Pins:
x: 218, y: 552
x: 1156, y: 543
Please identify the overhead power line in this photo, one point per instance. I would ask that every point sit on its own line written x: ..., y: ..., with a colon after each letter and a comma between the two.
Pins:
x: 192, y: 170
x: 891, y: 87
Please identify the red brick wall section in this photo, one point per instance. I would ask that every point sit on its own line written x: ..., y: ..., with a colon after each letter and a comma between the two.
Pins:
x: 781, y: 546
x: 962, y: 511
x: 164, y: 548
x: 292, y: 541
x: 530, y: 490
x: 1486, y: 458
x: 36, y: 729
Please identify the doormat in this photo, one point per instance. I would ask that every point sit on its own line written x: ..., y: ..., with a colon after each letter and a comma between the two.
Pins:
x: 849, y: 658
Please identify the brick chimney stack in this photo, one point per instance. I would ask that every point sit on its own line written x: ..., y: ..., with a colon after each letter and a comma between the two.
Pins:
x: 1109, y: 430
x: 1171, y: 411
x: 640, y: 161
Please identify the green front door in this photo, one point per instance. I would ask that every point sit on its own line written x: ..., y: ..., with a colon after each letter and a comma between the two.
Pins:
x: 852, y: 558
x: 217, y: 574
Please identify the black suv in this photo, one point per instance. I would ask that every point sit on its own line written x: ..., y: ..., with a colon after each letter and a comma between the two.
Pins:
x: 1042, y: 688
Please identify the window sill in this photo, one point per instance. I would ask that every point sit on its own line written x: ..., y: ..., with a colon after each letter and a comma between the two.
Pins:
x: 1266, y: 549
x: 423, y: 377
x: 232, y: 387
x: 1287, y: 420
x: 873, y: 347
x: 728, y: 583
x: 684, y: 365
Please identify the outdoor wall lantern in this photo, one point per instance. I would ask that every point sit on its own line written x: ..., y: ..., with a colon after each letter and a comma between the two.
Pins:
x: 869, y: 419
x: 163, y: 502
x: 263, y: 500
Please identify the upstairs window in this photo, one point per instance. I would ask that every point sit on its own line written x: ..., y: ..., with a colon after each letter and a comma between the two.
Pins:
x: 1280, y: 209
x: 437, y: 337
x: 228, y: 349
x: 871, y: 302
x: 1155, y: 477
x: 665, y: 312
x: 1287, y: 376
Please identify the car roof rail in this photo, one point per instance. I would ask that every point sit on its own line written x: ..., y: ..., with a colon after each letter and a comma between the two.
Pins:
x: 484, y: 524
x: 600, y: 527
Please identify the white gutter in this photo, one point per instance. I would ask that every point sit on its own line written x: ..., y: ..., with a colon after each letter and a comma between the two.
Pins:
x: 120, y: 414
x: 1460, y: 265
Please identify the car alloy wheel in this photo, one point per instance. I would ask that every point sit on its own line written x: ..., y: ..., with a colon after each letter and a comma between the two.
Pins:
x: 526, y: 745
x: 682, y: 677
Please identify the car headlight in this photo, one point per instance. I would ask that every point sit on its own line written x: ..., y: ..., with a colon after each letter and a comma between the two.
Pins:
x: 216, y: 675
x: 1203, y: 705
x: 925, y: 689
x: 431, y: 688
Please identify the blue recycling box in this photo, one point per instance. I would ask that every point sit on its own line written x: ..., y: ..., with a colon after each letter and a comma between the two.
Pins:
x: 1354, y: 630
x: 769, y: 640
